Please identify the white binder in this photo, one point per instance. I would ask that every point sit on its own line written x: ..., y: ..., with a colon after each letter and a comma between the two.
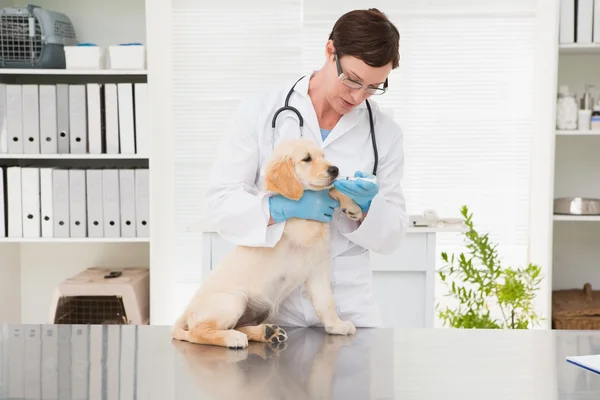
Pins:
x: 127, y: 202
x: 111, y: 105
x: 142, y: 202
x: 95, y: 218
x: 62, y: 117
x: 14, y: 124
x: 77, y: 203
x: 15, y: 209
x: 94, y: 118
x: 3, y: 232
x: 30, y: 178
x: 46, y: 211
x: 78, y: 119
x: 31, y: 119
x: 110, y: 202
x: 16, y: 360
x: 126, y: 118
x: 50, y: 356
x: 142, y: 135
x: 33, y: 362
x: 80, y: 335
x: 60, y: 202
x: 48, y: 120
x: 3, y: 120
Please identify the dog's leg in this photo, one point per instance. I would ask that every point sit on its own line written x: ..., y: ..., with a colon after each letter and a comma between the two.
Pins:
x: 322, y: 299
x: 266, y: 333
x: 214, y: 326
x: 348, y: 206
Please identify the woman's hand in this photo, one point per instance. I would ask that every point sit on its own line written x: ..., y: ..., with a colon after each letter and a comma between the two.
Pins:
x: 360, y: 190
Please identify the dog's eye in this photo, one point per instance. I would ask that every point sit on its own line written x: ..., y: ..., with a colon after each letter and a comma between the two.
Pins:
x: 307, y: 158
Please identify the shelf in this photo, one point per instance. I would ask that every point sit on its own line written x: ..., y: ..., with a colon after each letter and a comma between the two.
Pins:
x: 577, y: 48
x: 72, y: 157
x: 31, y: 71
x: 74, y: 240
x: 577, y: 133
x: 577, y: 218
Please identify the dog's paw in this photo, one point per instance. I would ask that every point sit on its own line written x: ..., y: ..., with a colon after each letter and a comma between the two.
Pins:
x: 353, y: 211
x: 341, y: 328
x: 236, y: 340
x: 274, y: 334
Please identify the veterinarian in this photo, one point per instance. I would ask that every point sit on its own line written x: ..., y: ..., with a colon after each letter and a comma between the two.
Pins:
x: 335, y: 104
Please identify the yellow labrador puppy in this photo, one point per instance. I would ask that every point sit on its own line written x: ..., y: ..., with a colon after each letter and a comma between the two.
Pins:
x: 250, y: 283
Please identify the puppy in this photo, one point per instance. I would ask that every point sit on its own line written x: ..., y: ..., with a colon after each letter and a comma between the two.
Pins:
x: 249, y: 285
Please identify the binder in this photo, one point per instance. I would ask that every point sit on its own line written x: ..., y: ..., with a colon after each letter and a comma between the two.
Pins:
x: 126, y: 118
x: 111, y: 111
x: 567, y: 22
x: 590, y: 362
x: 60, y: 202
x: 111, y: 202
x: 30, y: 178
x: 94, y: 118
x: 127, y: 202
x: 77, y: 203
x: 142, y: 202
x: 33, y: 362
x: 585, y: 21
x: 3, y: 120
x: 31, y: 119
x: 62, y: 117
x: 14, y: 125
x: 16, y: 360
x: 48, y: 120
x: 142, y: 135
x: 78, y: 119
x: 46, y: 210
x: 15, y: 210
x: 79, y: 361
x: 95, y: 218
x: 50, y: 356
x: 3, y: 232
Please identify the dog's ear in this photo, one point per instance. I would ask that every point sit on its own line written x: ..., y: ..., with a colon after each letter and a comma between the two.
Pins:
x: 281, y: 178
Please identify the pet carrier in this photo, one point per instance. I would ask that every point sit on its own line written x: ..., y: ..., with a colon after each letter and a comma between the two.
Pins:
x: 103, y: 296
x: 31, y: 37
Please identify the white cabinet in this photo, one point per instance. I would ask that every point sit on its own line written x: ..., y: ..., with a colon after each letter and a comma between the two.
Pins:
x: 403, y: 281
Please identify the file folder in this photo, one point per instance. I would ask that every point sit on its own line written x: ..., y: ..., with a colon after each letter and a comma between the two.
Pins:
x: 126, y: 118
x: 111, y: 111
x: 2, y: 203
x: 78, y: 119
x: 589, y: 362
x: 95, y: 216
x: 48, y: 122
x: 142, y: 135
x: 62, y: 117
x: 111, y: 202
x: 15, y: 210
x: 31, y: 119
x: 46, y: 210
x: 127, y: 203
x: 3, y: 120
x: 94, y: 118
x: 142, y: 202
x: 77, y: 204
x: 60, y: 202
x: 14, y: 108
x: 30, y: 181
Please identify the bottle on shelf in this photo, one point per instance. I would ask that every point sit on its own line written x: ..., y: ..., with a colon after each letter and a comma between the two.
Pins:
x: 567, y: 109
x: 595, y: 119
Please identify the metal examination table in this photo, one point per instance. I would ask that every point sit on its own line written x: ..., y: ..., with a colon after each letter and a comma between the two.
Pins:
x: 142, y: 362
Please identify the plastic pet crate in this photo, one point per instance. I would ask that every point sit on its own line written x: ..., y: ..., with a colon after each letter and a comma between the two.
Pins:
x: 32, y: 37
x: 103, y: 296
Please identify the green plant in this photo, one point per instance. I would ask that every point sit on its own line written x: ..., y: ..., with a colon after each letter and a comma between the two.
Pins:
x: 477, y: 278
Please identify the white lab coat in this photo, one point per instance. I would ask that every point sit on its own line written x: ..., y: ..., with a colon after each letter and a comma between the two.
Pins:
x: 238, y: 206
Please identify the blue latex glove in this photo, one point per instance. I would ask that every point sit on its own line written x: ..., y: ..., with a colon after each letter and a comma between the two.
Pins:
x: 314, y: 205
x: 361, y: 191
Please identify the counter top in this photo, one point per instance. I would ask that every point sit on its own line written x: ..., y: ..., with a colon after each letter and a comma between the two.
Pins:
x: 142, y: 362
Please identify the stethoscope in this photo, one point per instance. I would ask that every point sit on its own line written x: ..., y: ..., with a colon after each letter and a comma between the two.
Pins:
x: 301, y: 122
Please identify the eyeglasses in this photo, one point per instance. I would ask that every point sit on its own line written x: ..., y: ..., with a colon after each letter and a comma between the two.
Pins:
x: 352, y: 84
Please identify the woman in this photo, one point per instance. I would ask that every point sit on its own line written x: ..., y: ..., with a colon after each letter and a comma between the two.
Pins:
x: 334, y: 102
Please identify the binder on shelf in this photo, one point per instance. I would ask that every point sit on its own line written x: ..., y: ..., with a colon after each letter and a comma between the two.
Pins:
x: 585, y: 21
x: 142, y: 135
x: 50, y: 356
x: 127, y: 202
x: 48, y: 120
x: 111, y: 110
x: 142, y: 202
x: 3, y: 120
x: 567, y: 22
x: 31, y: 119
x: 94, y: 118
x: 78, y: 119
x: 46, y: 210
x: 62, y: 117
x: 77, y: 204
x: 14, y: 205
x: 30, y: 193
x: 60, y: 202
x: 3, y: 232
x: 126, y: 118
x: 14, y: 124
x: 33, y: 362
x: 110, y: 203
x: 95, y: 218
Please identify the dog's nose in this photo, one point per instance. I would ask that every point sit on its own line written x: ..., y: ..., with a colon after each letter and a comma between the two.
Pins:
x: 333, y: 170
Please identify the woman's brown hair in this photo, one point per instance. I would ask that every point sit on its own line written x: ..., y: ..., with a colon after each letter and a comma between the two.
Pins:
x: 367, y: 35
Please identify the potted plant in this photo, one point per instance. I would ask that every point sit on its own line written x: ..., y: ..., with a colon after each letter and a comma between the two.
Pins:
x: 477, y: 280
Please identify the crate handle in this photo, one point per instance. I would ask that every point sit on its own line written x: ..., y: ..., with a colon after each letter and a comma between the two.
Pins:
x: 587, y: 289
